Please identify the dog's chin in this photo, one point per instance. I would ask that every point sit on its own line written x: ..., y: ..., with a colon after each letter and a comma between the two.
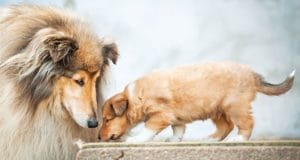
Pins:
x: 81, y: 119
x: 81, y: 124
x: 120, y: 138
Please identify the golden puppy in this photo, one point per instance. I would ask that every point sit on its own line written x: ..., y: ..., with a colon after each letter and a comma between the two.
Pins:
x: 222, y: 91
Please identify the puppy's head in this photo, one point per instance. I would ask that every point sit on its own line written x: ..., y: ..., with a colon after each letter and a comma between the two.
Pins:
x: 115, y: 118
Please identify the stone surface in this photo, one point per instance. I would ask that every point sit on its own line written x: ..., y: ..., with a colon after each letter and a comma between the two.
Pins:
x: 272, y: 150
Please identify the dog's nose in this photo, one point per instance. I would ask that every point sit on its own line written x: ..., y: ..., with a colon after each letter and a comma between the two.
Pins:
x: 92, y: 123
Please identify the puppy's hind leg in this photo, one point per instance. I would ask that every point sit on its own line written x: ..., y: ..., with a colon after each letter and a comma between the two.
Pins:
x: 243, y: 119
x: 178, y: 132
x: 223, y: 127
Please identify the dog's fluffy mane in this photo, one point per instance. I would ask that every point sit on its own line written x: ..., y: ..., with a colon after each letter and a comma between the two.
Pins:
x: 38, y: 45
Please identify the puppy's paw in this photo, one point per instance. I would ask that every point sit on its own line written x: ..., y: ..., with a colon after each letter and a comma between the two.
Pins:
x: 135, y: 140
x: 174, y: 139
x: 130, y: 140
x: 238, y: 138
x: 210, y: 139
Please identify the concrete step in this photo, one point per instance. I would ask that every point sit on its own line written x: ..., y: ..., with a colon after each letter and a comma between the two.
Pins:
x: 266, y: 150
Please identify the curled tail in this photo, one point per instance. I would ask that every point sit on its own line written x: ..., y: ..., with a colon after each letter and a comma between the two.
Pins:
x: 274, y: 89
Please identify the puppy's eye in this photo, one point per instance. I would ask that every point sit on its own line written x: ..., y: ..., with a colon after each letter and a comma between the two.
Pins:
x: 105, y: 120
x: 80, y: 82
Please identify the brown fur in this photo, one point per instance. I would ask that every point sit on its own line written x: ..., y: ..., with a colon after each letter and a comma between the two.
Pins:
x: 52, y: 67
x: 222, y: 91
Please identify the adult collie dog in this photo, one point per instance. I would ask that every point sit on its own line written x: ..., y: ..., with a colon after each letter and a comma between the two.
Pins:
x: 51, y: 67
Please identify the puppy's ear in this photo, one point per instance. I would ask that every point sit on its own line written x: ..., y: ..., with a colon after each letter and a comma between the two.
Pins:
x: 110, y: 51
x: 60, y: 47
x: 119, y: 107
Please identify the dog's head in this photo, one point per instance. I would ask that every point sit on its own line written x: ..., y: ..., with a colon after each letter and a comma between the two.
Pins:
x: 55, y: 62
x: 58, y: 69
x: 78, y: 96
x: 116, y: 118
x: 78, y: 85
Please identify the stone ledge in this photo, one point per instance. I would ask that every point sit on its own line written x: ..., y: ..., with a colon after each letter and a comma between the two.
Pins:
x: 273, y: 150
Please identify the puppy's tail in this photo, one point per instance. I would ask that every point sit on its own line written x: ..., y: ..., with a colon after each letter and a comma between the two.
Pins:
x: 274, y: 89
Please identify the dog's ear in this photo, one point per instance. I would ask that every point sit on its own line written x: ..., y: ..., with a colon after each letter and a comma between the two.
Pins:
x: 119, y: 107
x: 110, y: 51
x: 60, y: 47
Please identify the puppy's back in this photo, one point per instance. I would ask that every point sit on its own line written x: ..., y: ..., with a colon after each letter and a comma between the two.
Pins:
x: 212, y: 74
x: 210, y: 79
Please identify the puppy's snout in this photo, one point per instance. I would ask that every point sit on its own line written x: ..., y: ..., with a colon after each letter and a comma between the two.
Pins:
x: 92, y: 123
x: 104, y: 138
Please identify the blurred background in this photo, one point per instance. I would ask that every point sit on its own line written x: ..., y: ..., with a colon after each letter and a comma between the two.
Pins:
x: 164, y: 34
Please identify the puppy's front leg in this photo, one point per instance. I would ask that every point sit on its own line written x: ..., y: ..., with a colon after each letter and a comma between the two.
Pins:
x: 153, y: 126
x: 178, y: 132
x: 145, y: 135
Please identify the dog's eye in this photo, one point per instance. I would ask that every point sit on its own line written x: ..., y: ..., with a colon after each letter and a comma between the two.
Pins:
x: 80, y: 82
